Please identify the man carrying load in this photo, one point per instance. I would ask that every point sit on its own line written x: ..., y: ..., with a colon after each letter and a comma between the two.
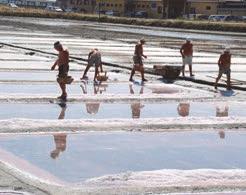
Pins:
x: 224, y: 68
x: 63, y: 66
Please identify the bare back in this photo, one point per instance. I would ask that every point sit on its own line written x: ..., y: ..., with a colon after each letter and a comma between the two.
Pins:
x: 138, y: 50
x: 63, y: 58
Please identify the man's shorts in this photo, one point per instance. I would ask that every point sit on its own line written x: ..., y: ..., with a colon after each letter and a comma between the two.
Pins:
x: 187, y: 60
x: 95, y: 60
x: 63, y: 75
x: 137, y: 60
x: 63, y: 71
x: 226, y: 71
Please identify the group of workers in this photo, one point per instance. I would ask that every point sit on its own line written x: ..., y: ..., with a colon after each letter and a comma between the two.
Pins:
x: 94, y: 59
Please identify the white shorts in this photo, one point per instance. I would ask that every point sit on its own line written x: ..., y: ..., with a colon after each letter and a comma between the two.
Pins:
x: 187, y: 60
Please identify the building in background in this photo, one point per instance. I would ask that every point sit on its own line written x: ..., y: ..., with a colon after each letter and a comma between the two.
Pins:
x: 117, y: 7
x: 206, y: 7
x: 84, y: 6
x: 174, y: 8
x: 213, y: 7
x: 31, y: 3
x: 150, y: 8
x: 232, y: 7
x: 153, y: 8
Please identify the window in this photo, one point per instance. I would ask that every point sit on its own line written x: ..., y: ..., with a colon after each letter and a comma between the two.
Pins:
x: 208, y: 7
x: 153, y: 5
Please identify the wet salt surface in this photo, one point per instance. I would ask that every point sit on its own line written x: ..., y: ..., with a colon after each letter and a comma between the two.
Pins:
x: 112, y: 88
x: 97, y: 110
x: 96, y: 154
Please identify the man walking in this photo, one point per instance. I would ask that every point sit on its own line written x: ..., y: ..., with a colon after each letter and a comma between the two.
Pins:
x: 224, y: 68
x: 137, y: 60
x: 187, y: 55
x: 63, y: 66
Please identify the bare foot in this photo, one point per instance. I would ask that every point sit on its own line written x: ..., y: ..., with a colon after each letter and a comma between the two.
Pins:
x: 144, y: 80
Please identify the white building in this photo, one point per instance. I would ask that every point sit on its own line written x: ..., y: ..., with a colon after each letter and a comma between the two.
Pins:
x: 31, y: 3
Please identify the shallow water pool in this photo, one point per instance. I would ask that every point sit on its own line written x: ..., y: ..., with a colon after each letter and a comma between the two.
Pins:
x: 77, y: 157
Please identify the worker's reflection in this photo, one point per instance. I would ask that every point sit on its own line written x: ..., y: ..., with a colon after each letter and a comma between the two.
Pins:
x: 136, y: 106
x: 60, y: 139
x: 98, y: 88
x: 184, y: 109
x: 222, y: 111
x: 222, y: 134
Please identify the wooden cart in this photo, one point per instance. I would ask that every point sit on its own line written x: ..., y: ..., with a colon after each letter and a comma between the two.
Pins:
x: 167, y: 71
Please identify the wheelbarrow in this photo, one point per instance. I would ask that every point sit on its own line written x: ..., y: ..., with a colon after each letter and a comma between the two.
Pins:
x: 167, y: 71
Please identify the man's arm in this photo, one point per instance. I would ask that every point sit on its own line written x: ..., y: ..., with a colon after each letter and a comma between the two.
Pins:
x: 141, y: 52
x: 55, y: 64
x: 181, y: 52
x: 219, y: 62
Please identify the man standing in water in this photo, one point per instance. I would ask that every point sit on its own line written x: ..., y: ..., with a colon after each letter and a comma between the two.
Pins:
x: 224, y: 68
x: 137, y: 60
x: 187, y: 55
x: 63, y: 66
x: 94, y: 59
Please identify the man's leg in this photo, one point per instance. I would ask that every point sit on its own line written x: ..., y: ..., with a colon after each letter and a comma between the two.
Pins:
x: 217, y: 80
x: 183, y: 70
x: 63, y: 88
x: 132, y: 73
x: 96, y: 73
x: 183, y: 67
x: 142, y: 73
x: 86, y: 70
x: 190, y: 67
x: 228, y: 82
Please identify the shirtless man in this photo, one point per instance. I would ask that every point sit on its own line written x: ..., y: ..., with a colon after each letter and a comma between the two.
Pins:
x: 224, y: 68
x: 63, y: 66
x: 187, y: 55
x: 137, y: 60
x: 94, y: 59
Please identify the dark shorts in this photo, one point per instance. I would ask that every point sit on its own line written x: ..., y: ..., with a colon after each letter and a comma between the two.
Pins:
x: 63, y: 71
x: 226, y: 71
x: 137, y: 60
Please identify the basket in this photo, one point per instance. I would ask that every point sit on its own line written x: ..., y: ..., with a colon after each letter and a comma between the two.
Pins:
x: 102, y: 76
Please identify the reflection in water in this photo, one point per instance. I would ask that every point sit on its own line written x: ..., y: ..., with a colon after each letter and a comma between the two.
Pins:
x: 98, y: 88
x: 222, y: 111
x: 164, y: 90
x: 184, y: 109
x: 60, y: 139
x: 222, y: 134
x: 136, y: 106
